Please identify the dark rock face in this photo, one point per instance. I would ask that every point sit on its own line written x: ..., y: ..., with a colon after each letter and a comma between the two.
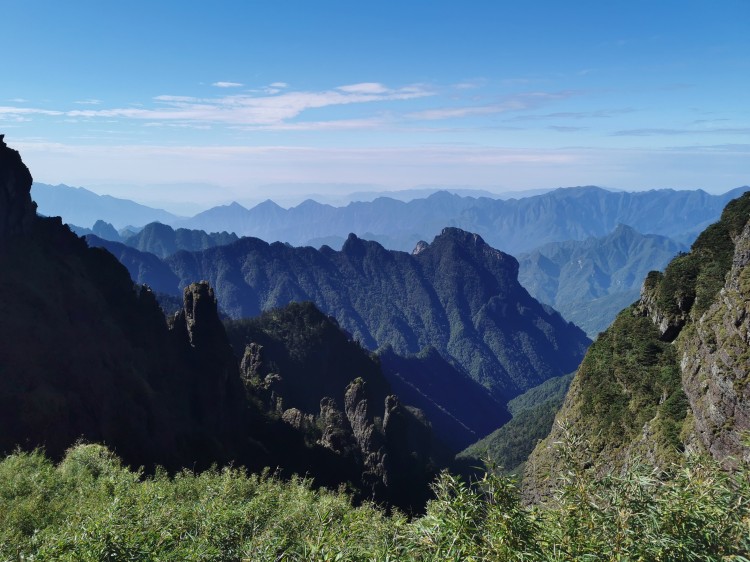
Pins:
x: 17, y: 210
x: 337, y: 433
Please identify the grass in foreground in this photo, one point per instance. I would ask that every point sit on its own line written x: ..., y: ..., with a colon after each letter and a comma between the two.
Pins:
x: 91, y: 508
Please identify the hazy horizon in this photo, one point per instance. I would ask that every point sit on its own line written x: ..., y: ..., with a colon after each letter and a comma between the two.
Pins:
x: 288, y: 199
x: 174, y: 104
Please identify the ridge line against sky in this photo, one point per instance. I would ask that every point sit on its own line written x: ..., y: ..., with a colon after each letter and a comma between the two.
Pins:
x: 184, y: 105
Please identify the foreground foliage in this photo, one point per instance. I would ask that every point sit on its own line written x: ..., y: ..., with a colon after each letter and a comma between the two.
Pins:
x: 90, y: 507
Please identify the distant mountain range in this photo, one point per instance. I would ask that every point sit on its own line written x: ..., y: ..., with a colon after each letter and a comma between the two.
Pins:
x: 514, y: 225
x: 81, y: 207
x: 590, y: 281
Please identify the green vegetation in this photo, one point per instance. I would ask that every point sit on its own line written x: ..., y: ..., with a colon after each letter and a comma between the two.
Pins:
x: 91, y: 508
x: 627, y: 379
x: 552, y: 389
x: 508, y: 447
x: 695, y: 278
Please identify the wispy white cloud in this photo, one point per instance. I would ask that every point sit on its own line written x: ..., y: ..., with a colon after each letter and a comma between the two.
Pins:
x: 658, y: 131
x: 566, y: 129
x: 9, y: 110
x: 372, y: 88
x: 88, y: 102
x: 177, y: 99
x: 247, y: 109
x: 469, y: 84
x: 332, y: 125
x: 529, y: 100
x: 18, y: 100
x: 596, y: 114
x: 279, y: 85
x: 460, y: 112
x: 227, y: 84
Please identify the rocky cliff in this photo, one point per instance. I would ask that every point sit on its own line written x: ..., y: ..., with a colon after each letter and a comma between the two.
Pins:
x: 672, y: 373
x: 715, y: 364
x: 86, y: 354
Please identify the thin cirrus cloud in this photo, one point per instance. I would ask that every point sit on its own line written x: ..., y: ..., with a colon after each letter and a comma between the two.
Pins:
x: 655, y: 131
x: 519, y: 102
x: 332, y: 125
x: 227, y: 84
x: 248, y: 110
x: 8, y: 110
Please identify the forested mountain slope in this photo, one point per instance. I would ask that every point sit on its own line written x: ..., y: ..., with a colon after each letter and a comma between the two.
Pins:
x: 163, y: 240
x: 457, y: 295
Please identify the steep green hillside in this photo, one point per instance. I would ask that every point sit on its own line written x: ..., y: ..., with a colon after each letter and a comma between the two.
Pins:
x: 89, y: 507
x: 671, y: 372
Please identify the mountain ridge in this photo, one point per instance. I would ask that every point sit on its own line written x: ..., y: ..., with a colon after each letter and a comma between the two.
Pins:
x: 388, y: 297
x: 400, y: 225
x: 82, y: 207
x: 515, y: 225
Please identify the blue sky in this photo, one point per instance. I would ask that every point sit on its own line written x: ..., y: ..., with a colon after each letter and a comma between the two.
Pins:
x: 187, y: 104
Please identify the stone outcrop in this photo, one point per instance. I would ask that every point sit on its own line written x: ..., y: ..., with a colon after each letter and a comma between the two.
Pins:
x: 298, y: 419
x: 669, y: 324
x: 17, y: 210
x: 366, y: 434
x: 251, y: 366
x: 336, y: 431
x: 715, y: 364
